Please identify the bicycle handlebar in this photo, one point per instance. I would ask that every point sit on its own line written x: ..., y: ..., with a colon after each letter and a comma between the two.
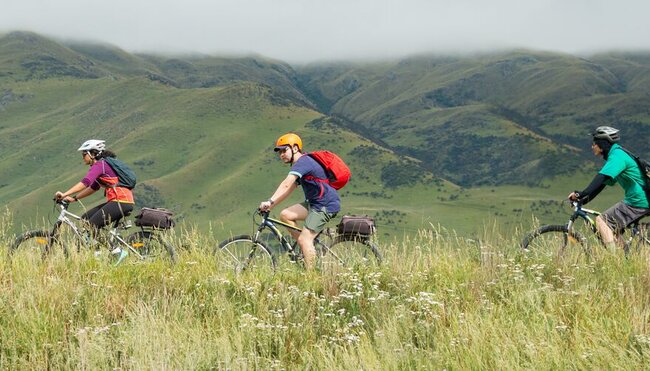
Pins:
x: 62, y: 202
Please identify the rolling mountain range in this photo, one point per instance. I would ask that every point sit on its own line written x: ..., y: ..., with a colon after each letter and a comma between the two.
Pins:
x: 425, y: 136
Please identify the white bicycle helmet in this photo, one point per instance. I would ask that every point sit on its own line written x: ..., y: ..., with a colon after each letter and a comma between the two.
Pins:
x: 96, y: 144
x: 608, y: 133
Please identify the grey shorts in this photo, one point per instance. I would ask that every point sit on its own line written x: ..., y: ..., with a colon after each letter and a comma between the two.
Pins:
x: 316, y: 219
x: 621, y: 215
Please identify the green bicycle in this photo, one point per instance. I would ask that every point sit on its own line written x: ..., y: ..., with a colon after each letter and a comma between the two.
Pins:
x: 263, y: 248
x: 558, y: 238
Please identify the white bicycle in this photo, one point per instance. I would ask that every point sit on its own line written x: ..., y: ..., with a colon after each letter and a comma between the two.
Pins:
x: 70, y: 230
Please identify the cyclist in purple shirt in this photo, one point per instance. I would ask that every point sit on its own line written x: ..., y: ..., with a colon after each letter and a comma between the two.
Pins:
x: 321, y: 204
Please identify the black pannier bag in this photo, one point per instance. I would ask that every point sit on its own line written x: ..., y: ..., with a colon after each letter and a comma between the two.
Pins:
x: 154, y: 217
x: 356, y: 226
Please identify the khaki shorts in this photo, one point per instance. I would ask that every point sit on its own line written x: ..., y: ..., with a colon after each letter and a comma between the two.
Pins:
x: 316, y: 219
x: 621, y: 215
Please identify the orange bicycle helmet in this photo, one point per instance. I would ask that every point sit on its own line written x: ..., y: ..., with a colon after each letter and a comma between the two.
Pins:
x: 288, y: 140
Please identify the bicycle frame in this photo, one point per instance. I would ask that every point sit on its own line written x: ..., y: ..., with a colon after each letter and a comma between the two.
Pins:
x: 271, y: 223
x: 65, y: 217
x: 587, y: 215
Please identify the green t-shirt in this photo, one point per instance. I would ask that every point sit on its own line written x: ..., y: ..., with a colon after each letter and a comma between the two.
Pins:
x: 624, y: 170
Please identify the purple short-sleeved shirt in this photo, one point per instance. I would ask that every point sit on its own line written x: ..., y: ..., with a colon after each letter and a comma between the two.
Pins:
x: 102, y: 174
x: 320, y: 195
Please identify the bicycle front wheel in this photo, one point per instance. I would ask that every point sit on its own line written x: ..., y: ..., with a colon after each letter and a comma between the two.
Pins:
x: 243, y: 252
x: 151, y: 245
x: 554, y: 239
x: 33, y: 244
x: 349, y: 252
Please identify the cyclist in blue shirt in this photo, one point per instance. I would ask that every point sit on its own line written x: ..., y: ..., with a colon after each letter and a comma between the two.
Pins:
x: 321, y: 204
x: 619, y: 168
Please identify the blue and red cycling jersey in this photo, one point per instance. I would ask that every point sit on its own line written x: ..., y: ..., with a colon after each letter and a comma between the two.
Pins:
x: 318, y: 193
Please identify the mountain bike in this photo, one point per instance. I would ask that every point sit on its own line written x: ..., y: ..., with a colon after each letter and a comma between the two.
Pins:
x: 71, y: 235
x: 257, y: 250
x: 560, y: 237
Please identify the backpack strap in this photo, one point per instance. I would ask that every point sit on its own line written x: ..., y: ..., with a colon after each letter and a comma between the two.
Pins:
x: 319, y: 180
x: 99, y: 179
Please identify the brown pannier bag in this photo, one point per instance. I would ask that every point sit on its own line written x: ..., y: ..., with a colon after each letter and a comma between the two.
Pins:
x: 356, y: 225
x: 154, y: 217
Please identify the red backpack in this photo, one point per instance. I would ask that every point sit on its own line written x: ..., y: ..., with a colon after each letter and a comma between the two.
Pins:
x: 338, y: 173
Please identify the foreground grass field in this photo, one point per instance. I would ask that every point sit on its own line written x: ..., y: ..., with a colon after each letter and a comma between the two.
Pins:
x: 439, y: 301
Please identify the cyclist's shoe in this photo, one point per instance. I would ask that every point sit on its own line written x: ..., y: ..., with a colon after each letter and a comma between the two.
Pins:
x: 119, y: 255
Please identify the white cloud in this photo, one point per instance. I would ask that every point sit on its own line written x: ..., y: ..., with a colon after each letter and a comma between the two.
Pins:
x: 304, y: 30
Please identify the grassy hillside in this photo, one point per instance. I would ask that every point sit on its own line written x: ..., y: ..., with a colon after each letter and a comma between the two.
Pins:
x: 205, y: 153
x: 429, y: 139
x: 468, y: 118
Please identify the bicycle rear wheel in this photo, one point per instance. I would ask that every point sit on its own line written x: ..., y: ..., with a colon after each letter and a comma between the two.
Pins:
x: 349, y: 252
x: 243, y: 252
x: 554, y: 239
x: 151, y: 245
x: 638, y: 239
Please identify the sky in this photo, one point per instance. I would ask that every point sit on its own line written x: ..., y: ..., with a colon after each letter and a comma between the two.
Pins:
x: 302, y: 31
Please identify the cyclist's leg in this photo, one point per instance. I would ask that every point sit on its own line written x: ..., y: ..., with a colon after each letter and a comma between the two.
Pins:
x: 605, y: 231
x: 306, y: 243
x: 105, y: 214
x: 614, y: 220
x: 108, y: 212
x: 94, y: 219
x: 314, y: 224
x: 292, y: 214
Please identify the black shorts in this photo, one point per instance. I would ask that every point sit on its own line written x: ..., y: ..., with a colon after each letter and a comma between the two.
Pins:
x: 619, y: 216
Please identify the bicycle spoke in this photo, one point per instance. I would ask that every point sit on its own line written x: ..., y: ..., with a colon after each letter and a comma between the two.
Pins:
x: 555, y: 241
x: 150, y: 245
x: 243, y: 253
x: 349, y: 253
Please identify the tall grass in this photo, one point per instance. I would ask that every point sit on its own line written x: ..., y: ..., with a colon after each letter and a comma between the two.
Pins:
x: 438, y: 301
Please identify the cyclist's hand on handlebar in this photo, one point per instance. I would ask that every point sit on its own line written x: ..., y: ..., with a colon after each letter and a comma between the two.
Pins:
x: 573, y: 196
x: 58, y: 196
x: 265, y: 206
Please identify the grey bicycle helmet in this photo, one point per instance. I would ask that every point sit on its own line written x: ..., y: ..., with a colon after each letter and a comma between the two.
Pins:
x: 93, y: 144
x: 608, y: 133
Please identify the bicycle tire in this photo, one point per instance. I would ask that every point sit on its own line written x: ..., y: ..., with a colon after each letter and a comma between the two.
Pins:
x: 351, y: 252
x: 243, y: 252
x: 151, y: 245
x: 553, y: 237
x: 32, y: 241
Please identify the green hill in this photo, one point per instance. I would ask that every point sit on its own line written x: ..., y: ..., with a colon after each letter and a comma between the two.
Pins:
x: 451, y: 140
x: 468, y: 118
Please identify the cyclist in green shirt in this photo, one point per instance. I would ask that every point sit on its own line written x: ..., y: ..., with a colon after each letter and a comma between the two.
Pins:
x: 619, y: 168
